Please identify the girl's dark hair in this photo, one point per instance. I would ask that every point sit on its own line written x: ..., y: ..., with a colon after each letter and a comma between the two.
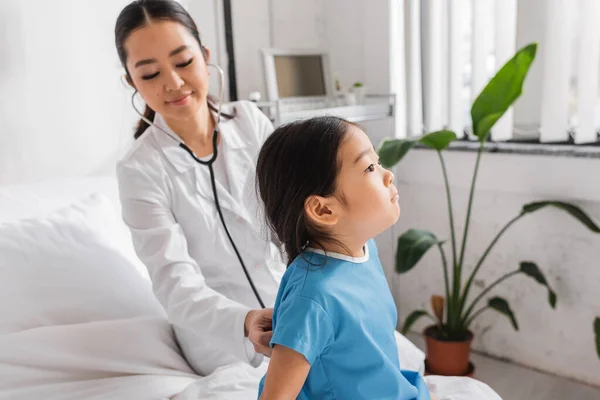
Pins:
x: 138, y: 14
x: 299, y: 160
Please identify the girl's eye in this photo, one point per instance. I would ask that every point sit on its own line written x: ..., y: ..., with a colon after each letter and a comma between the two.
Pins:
x: 370, y: 168
x: 148, y: 77
x: 185, y: 64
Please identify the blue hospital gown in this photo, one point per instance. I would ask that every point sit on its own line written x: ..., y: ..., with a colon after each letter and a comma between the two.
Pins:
x: 339, y: 313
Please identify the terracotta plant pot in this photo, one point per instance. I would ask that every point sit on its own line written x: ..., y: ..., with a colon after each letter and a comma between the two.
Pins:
x: 446, y: 357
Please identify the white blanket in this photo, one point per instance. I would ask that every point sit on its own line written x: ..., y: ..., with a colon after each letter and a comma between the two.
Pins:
x: 137, y: 359
x: 83, y: 323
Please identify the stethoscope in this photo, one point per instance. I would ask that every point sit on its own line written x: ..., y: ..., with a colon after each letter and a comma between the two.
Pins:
x: 209, y: 163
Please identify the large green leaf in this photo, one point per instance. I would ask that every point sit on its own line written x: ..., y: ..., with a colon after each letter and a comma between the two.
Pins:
x: 391, y: 151
x: 532, y: 270
x: 573, y: 210
x: 438, y: 140
x: 412, y: 245
x: 501, y: 92
x: 597, y: 333
x: 412, y: 318
x: 501, y: 305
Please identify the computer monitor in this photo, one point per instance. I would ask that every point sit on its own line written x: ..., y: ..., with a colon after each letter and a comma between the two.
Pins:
x: 297, y: 74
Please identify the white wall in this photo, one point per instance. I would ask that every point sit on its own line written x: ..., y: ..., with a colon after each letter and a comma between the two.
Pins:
x: 63, y: 109
x: 559, y: 341
x: 251, y: 30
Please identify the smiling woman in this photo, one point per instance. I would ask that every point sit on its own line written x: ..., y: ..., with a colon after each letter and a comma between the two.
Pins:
x: 154, y: 64
x: 170, y: 55
x: 194, y: 261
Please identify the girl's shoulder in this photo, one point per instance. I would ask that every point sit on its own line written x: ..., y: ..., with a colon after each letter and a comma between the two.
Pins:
x: 314, y: 276
x: 302, y: 274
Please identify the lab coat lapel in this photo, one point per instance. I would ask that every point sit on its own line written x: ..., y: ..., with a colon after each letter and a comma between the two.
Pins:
x: 168, y: 142
x: 204, y: 186
x: 231, y: 145
x: 239, y: 168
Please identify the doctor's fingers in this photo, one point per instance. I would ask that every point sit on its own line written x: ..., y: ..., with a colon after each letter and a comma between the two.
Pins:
x: 264, y: 350
x: 266, y: 318
x: 259, y: 337
x: 261, y: 341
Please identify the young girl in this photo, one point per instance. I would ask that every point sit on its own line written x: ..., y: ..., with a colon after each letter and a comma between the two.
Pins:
x: 326, y: 197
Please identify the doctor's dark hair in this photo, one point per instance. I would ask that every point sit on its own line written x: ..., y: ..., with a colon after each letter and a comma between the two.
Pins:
x: 138, y: 14
x: 299, y: 160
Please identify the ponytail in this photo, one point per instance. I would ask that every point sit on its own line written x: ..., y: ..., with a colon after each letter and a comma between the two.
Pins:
x: 142, y: 125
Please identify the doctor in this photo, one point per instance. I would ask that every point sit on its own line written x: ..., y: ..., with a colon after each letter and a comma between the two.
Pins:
x: 167, y: 197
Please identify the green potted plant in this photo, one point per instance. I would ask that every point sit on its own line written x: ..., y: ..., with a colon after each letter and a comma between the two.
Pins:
x: 597, y: 334
x: 448, y: 339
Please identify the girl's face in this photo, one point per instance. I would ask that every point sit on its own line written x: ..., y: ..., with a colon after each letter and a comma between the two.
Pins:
x: 370, y: 199
x: 168, y: 68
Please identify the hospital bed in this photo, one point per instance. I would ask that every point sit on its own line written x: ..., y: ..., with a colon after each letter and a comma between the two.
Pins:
x: 78, y: 319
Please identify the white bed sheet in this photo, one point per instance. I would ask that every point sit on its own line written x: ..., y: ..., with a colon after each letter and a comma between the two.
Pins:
x: 138, y: 359
x: 135, y: 358
x: 238, y: 382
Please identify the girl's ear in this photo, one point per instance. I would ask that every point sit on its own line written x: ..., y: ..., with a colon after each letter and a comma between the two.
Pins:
x: 322, y: 210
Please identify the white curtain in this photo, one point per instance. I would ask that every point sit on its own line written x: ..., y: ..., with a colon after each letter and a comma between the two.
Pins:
x: 452, y: 48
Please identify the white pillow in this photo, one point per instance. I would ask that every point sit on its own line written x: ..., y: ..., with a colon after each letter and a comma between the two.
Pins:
x: 72, y: 266
x: 29, y: 200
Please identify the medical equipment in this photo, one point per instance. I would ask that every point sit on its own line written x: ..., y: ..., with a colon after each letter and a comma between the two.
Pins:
x: 294, y: 75
x: 209, y: 163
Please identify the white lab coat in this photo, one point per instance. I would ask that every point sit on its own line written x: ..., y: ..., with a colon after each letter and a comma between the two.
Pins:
x: 169, y: 207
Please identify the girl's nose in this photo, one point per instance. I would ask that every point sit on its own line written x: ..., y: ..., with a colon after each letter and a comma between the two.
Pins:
x: 388, y: 177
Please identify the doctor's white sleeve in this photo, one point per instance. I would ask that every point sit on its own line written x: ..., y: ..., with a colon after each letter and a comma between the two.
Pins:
x: 214, y: 323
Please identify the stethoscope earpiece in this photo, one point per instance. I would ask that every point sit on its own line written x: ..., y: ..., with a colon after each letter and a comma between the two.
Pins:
x: 221, y: 85
x: 124, y: 82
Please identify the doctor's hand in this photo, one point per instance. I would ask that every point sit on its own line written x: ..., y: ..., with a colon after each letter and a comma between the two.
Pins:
x: 258, y: 327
